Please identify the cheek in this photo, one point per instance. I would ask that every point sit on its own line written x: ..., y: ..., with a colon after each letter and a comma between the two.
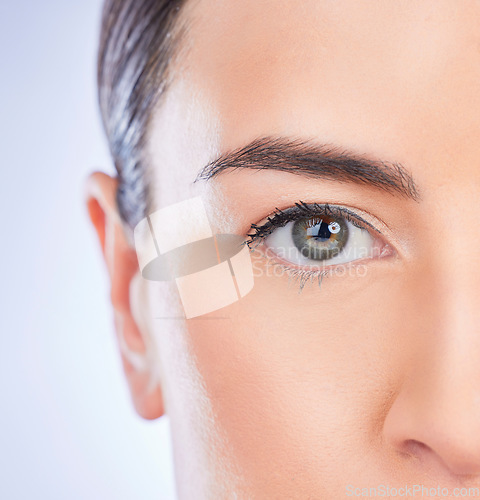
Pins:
x: 299, y: 383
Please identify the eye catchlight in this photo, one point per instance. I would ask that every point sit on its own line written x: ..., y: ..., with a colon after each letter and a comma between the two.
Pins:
x: 176, y: 243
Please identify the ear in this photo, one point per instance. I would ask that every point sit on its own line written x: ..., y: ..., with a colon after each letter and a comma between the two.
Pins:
x: 122, y: 266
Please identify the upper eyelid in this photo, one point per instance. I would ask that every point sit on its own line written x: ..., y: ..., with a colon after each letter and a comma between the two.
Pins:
x: 373, y: 224
x: 293, y: 213
x: 341, y: 211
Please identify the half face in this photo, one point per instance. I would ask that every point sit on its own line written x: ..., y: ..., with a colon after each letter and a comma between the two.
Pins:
x: 367, y: 372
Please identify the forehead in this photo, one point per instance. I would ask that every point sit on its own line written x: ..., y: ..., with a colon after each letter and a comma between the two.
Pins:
x: 373, y: 76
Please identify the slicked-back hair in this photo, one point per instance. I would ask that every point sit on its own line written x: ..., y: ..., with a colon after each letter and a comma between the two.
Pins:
x: 137, y: 42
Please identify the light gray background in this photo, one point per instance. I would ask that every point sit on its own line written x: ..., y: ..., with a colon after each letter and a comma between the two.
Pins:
x: 67, y: 428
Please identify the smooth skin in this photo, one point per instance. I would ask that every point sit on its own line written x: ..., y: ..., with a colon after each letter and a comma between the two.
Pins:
x: 365, y: 381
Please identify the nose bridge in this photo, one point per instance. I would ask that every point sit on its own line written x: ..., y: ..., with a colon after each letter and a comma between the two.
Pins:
x: 444, y: 379
x: 449, y: 260
x: 449, y: 252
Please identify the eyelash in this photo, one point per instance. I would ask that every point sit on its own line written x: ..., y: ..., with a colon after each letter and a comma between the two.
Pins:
x: 301, y: 209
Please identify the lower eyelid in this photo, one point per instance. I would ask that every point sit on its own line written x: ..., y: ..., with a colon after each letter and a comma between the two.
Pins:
x: 291, y: 265
x: 304, y: 275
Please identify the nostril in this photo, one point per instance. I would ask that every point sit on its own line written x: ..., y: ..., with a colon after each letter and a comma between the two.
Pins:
x: 431, y: 460
x: 416, y: 448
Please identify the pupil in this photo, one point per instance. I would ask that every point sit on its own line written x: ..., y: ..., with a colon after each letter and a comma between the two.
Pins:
x: 323, y: 233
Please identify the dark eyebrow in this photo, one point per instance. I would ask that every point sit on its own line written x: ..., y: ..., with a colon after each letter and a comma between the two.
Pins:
x: 310, y: 159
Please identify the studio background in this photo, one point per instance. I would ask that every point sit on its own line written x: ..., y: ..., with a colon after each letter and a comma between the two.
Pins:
x: 67, y: 427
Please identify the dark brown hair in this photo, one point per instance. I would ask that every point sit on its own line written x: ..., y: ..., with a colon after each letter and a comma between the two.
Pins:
x: 137, y: 43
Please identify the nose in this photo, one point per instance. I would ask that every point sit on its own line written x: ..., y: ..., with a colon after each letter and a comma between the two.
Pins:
x: 435, y: 415
x: 438, y: 423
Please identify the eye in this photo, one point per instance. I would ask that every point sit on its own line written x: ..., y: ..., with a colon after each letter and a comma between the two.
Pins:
x: 315, y: 236
x: 323, y: 240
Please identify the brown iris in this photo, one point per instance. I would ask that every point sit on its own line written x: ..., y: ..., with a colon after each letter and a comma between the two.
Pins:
x: 320, y: 238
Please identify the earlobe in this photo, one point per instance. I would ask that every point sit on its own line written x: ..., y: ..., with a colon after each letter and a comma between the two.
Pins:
x: 122, y: 265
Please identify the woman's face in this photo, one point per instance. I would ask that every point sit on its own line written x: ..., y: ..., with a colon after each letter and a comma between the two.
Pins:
x: 371, y: 378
